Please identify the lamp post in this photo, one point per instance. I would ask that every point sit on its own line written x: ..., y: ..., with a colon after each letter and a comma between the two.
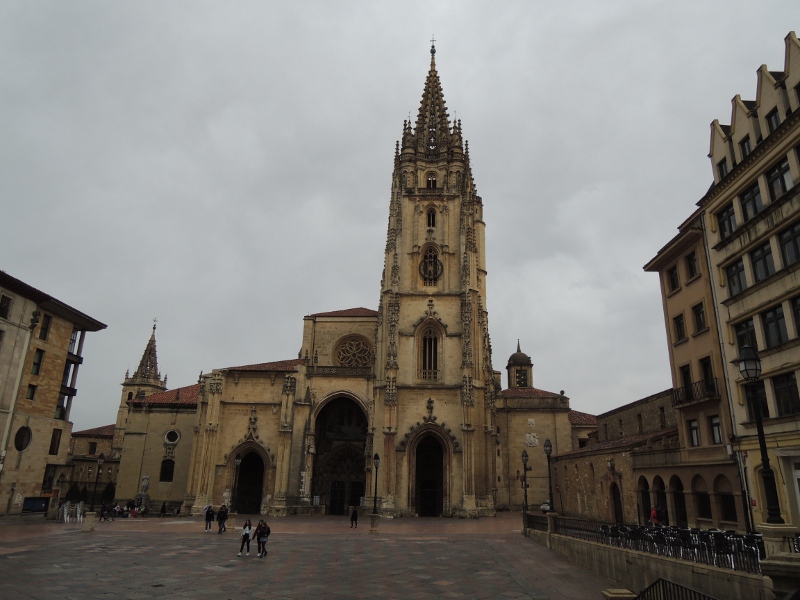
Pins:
x: 237, y: 461
x: 750, y: 368
x: 100, y: 460
x: 548, y: 450
x: 376, y: 462
x: 525, y: 469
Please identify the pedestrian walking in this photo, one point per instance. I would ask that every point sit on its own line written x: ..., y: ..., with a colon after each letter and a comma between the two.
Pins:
x: 354, y: 518
x: 222, y: 518
x: 163, y: 510
x: 247, y: 532
x: 261, y: 534
x: 209, y: 518
x: 66, y: 508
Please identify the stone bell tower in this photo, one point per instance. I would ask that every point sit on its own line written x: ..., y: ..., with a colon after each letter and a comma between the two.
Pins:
x: 433, y: 419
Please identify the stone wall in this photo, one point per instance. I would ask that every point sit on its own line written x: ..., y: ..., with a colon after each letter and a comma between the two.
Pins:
x: 637, y: 570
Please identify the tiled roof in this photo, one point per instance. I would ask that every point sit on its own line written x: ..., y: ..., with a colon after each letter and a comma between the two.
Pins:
x: 348, y: 312
x: 581, y: 418
x: 186, y: 396
x: 529, y: 392
x: 278, y: 365
x: 663, y: 395
x: 630, y: 441
x: 104, y: 431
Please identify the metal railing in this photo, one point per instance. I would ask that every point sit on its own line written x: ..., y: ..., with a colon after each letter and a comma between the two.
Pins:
x: 696, y: 392
x: 663, y: 589
x: 727, y: 550
x: 536, y: 522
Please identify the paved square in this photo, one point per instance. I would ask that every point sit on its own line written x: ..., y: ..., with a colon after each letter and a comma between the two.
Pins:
x: 309, y: 557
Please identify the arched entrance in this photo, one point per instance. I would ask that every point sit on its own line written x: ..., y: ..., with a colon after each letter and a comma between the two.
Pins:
x: 429, y: 474
x: 644, y: 500
x: 250, y: 484
x: 339, y: 474
x: 676, y: 487
x: 616, y: 500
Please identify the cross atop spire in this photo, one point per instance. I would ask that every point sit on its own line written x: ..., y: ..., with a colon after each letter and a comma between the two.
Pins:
x: 433, y: 45
x: 432, y: 128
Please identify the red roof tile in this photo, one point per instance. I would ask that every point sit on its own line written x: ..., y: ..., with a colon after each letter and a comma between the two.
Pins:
x: 186, y: 396
x: 348, y: 312
x: 278, y: 365
x: 580, y: 418
x: 104, y: 431
x: 529, y: 392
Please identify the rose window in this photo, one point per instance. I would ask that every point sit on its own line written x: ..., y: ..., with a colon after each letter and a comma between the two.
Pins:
x: 353, y: 352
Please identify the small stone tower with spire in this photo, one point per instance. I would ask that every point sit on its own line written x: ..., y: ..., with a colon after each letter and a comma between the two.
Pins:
x: 520, y: 370
x: 146, y: 380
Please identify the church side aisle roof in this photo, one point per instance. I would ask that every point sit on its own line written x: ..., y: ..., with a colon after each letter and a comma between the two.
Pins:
x: 631, y: 441
x: 104, y: 431
x: 185, y: 396
x: 278, y: 365
x: 577, y: 417
x: 348, y: 312
x: 529, y: 392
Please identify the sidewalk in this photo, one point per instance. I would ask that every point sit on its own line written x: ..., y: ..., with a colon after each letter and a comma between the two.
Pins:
x: 309, y: 557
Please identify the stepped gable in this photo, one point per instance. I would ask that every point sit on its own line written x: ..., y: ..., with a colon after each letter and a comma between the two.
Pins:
x: 185, y: 396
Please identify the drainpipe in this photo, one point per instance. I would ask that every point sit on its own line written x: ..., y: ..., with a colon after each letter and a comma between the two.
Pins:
x: 13, y: 406
x: 745, y: 494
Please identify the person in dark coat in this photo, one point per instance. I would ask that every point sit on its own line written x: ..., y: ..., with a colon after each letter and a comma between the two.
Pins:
x: 354, y: 518
x: 222, y: 518
x: 209, y: 518
x: 163, y: 510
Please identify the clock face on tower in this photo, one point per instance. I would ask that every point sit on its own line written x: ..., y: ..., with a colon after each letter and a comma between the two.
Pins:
x: 522, y: 378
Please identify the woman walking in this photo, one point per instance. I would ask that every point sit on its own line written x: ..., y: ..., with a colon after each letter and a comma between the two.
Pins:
x: 261, y: 535
x: 247, y: 532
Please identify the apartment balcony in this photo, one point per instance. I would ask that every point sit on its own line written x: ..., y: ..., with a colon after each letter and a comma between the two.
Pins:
x: 699, y: 391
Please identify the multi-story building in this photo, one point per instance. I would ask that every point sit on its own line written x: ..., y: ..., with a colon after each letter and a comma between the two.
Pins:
x: 41, y: 341
x: 704, y: 464
x: 751, y: 217
x: 730, y: 279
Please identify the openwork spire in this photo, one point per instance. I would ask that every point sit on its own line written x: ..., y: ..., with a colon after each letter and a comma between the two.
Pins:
x: 433, y: 126
x: 148, y: 366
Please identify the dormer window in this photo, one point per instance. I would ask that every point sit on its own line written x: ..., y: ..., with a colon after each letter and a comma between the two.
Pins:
x: 722, y: 168
x: 773, y: 120
x: 744, y: 146
x: 431, y: 217
x: 431, y: 181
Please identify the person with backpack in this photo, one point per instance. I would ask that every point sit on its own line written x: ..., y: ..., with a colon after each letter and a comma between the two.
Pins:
x: 261, y: 535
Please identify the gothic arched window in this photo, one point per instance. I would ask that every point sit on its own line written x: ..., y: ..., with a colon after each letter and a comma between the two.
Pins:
x: 431, y: 217
x: 431, y: 268
x: 429, y: 355
x: 431, y: 181
x: 167, y: 470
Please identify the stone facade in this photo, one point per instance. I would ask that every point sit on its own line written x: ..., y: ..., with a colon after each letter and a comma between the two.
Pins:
x: 410, y: 385
x: 41, y: 341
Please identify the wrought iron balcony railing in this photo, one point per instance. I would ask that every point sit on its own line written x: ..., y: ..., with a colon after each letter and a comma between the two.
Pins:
x: 707, y: 389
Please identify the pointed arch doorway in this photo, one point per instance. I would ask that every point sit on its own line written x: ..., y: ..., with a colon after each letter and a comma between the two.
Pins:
x: 250, y: 484
x: 339, y: 468
x: 429, y: 477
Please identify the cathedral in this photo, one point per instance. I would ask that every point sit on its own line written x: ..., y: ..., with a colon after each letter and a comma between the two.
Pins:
x: 401, y: 403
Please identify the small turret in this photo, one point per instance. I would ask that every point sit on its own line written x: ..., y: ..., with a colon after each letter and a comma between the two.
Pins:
x: 520, y: 370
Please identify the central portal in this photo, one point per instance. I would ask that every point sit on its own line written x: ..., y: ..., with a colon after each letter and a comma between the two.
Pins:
x: 339, y: 473
x: 250, y: 485
x: 430, y: 478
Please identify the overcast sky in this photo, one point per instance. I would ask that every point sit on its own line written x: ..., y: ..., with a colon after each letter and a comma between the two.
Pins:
x: 226, y: 168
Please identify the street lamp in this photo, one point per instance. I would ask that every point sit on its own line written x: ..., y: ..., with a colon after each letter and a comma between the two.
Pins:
x: 376, y: 461
x: 525, y: 469
x: 750, y: 368
x: 100, y: 460
x: 548, y: 450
